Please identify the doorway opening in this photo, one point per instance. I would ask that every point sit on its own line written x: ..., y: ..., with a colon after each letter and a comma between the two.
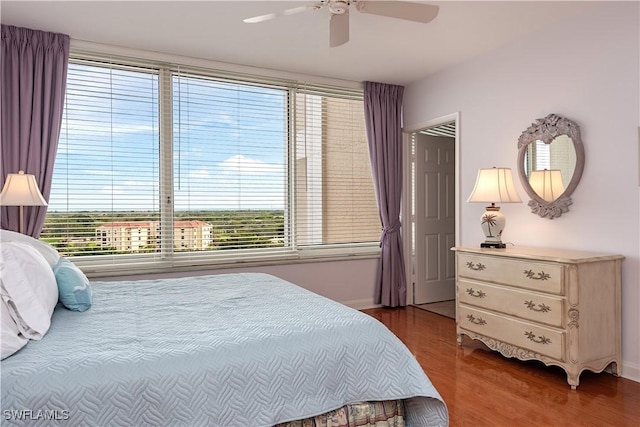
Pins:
x: 432, y: 201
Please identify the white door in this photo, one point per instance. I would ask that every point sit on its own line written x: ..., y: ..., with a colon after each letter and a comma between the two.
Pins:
x: 435, y: 219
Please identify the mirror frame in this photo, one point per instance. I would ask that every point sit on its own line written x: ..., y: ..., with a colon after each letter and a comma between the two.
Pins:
x: 547, y: 130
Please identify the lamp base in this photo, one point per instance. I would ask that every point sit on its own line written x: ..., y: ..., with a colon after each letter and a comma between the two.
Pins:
x: 493, y: 245
x: 492, y: 222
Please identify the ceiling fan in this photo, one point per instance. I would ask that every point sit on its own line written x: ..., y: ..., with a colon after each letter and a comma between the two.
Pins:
x: 339, y: 10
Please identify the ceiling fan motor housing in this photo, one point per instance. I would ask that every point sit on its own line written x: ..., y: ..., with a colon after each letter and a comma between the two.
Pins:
x: 338, y: 7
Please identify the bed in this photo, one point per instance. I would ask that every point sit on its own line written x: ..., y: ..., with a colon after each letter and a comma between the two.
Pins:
x: 244, y: 349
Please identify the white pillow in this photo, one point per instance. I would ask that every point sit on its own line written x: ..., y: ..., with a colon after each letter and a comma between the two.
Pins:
x: 28, y: 287
x: 47, y: 251
x: 10, y: 338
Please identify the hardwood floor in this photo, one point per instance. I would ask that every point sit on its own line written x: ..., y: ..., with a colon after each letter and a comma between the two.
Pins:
x: 484, y: 388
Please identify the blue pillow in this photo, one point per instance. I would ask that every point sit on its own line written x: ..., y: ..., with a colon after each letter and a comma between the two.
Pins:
x: 73, y: 286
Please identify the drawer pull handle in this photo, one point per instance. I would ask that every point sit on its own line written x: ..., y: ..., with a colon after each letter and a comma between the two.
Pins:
x: 478, y: 321
x: 536, y: 276
x: 542, y: 308
x: 539, y: 340
x: 478, y: 294
x: 476, y: 267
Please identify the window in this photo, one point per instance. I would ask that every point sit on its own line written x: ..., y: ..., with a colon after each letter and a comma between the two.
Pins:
x: 165, y: 165
x: 105, y: 179
x: 230, y: 162
x: 333, y: 186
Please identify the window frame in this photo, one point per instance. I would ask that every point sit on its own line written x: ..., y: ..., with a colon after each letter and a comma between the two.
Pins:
x: 167, y: 259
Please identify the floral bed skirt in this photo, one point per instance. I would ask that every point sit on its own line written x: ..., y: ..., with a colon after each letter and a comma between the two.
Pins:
x: 388, y: 413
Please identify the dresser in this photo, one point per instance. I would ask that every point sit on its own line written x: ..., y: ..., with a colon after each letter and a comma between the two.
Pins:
x: 560, y: 307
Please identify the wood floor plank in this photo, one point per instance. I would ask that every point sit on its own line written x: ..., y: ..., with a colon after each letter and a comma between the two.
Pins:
x: 483, y: 388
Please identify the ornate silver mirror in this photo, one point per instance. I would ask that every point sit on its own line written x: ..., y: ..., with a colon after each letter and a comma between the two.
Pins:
x: 550, y: 164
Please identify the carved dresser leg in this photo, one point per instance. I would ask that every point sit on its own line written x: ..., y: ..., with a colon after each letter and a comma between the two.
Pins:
x: 573, y: 380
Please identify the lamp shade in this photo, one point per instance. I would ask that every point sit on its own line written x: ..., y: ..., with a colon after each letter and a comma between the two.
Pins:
x: 494, y: 185
x: 547, y: 183
x: 21, y: 189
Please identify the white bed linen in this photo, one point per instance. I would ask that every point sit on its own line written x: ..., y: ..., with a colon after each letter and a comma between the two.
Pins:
x: 28, y: 287
x: 11, y: 338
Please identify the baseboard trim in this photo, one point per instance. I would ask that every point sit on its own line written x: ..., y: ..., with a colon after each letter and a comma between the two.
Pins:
x: 631, y: 371
x: 361, y: 304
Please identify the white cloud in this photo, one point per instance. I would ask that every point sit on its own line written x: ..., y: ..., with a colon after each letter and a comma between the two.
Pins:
x: 238, y: 182
x: 242, y: 165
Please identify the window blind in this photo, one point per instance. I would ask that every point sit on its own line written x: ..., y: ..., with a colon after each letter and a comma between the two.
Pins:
x: 230, y: 164
x: 105, y: 180
x: 334, y: 195
x: 177, y: 165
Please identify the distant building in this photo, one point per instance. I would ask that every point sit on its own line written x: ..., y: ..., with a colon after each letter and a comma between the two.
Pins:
x: 124, y: 236
x: 195, y: 235
x: 136, y: 236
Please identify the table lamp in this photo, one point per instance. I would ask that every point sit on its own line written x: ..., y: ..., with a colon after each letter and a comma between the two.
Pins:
x: 494, y: 185
x: 21, y: 189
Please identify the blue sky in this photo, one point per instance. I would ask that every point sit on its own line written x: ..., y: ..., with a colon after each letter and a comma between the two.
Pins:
x: 229, y: 144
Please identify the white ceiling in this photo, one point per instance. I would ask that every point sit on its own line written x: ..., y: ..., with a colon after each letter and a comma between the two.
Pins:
x: 381, y: 49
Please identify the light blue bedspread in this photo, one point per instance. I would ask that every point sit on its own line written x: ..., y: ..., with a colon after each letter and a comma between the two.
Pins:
x: 226, y: 350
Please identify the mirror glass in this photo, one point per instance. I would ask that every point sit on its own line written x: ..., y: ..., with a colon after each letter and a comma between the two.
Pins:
x: 550, y: 163
x: 550, y: 167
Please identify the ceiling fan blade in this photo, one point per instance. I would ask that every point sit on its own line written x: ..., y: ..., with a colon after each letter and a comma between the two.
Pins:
x: 269, y: 16
x: 339, y: 29
x: 261, y: 18
x: 417, y: 12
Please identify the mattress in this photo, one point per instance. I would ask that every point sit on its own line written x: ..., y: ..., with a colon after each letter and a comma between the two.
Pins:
x: 224, y: 350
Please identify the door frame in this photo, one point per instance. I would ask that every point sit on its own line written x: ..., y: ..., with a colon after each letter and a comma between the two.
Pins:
x: 407, y: 232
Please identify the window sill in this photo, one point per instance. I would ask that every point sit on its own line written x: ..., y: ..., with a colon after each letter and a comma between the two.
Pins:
x: 105, y: 269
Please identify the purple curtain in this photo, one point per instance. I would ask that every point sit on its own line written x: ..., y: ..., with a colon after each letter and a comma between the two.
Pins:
x: 33, y: 77
x: 383, y: 115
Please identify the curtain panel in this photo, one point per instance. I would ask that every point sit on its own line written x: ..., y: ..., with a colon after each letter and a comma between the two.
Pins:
x: 383, y: 118
x: 33, y: 78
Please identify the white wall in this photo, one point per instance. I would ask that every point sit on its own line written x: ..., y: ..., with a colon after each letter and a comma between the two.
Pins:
x: 586, y: 69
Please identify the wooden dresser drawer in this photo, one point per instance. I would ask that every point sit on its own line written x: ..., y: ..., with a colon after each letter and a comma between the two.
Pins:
x: 534, y: 275
x: 543, y: 308
x: 536, y: 338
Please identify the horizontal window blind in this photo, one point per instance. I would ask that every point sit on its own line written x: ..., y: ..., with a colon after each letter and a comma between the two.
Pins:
x: 105, y: 183
x: 166, y: 164
x: 230, y: 169
x: 334, y: 192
